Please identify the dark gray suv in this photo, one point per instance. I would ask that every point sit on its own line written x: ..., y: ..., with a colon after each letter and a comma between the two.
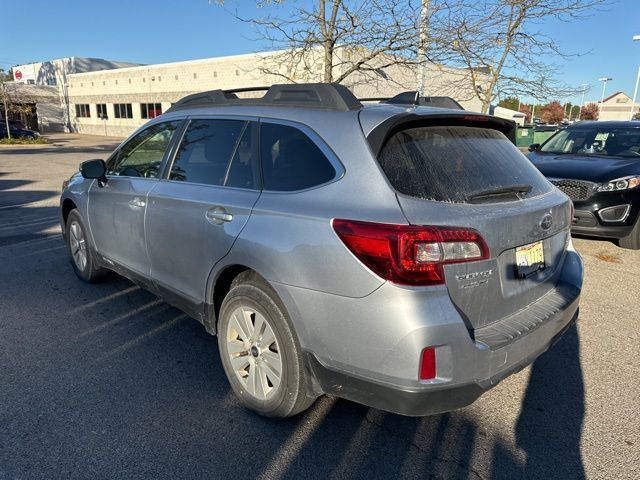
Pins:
x: 404, y: 257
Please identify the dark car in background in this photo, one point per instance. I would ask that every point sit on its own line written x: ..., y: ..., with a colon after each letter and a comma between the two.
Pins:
x: 597, y: 164
x: 17, y: 130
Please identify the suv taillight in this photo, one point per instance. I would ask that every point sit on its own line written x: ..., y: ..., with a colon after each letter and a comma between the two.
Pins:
x: 407, y: 254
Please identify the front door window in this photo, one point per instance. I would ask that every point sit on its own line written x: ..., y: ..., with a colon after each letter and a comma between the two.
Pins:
x: 142, y: 155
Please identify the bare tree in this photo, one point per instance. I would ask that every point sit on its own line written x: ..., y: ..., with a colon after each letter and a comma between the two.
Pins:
x: 332, y: 40
x: 497, y: 47
x: 15, y: 98
x: 501, y: 44
x: 5, y: 100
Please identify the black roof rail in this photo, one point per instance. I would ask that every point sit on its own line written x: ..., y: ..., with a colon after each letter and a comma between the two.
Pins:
x: 413, y: 98
x: 326, y: 96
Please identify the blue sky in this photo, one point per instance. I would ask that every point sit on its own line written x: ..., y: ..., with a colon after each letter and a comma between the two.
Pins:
x: 148, y: 31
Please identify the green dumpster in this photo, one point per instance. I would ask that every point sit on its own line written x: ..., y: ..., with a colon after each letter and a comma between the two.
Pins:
x: 528, y: 135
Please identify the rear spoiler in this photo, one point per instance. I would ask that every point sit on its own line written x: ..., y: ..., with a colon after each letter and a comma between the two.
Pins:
x: 381, y: 133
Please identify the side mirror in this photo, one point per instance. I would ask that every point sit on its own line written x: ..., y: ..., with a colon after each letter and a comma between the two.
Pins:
x: 534, y: 147
x: 94, y: 169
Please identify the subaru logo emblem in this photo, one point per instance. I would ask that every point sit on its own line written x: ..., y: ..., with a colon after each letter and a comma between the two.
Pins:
x: 546, y: 222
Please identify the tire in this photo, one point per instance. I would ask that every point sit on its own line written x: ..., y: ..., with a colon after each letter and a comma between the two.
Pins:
x: 80, y: 250
x: 251, y: 360
x: 632, y: 241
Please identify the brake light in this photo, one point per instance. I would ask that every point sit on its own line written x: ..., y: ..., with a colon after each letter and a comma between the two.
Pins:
x: 408, y: 254
x: 476, y: 118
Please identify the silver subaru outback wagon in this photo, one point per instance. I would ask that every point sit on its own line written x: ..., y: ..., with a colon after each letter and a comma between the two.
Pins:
x: 404, y: 257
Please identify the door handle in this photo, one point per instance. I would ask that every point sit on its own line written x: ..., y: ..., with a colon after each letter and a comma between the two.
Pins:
x: 218, y: 215
x: 136, y: 202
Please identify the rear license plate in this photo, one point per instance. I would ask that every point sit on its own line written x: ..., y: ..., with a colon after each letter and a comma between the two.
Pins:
x: 529, y: 259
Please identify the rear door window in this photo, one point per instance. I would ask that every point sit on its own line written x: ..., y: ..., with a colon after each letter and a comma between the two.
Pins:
x: 216, y: 152
x: 455, y: 163
x: 291, y: 160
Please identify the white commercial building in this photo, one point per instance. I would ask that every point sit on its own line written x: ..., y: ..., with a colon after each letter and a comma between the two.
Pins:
x: 617, y: 107
x: 44, y: 84
x: 115, y: 101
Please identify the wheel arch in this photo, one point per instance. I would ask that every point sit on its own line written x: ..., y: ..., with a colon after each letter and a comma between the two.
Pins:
x: 221, y: 281
x: 219, y: 285
x: 67, y: 205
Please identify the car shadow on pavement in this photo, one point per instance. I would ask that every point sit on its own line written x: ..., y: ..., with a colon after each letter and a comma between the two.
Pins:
x: 353, y: 441
x: 132, y: 387
x: 100, y: 151
x: 21, y: 221
x: 11, y: 184
x: 108, y: 381
x: 612, y: 241
x: 549, y: 428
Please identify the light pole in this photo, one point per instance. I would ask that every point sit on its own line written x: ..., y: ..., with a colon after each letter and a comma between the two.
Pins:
x: 585, y: 87
x: 635, y: 90
x: 604, y: 81
x: 422, y: 50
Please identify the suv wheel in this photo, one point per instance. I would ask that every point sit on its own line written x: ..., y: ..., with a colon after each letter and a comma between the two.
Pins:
x: 260, y: 354
x: 632, y: 241
x: 80, y: 249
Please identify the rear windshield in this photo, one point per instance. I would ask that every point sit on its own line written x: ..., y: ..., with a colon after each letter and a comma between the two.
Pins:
x: 458, y: 164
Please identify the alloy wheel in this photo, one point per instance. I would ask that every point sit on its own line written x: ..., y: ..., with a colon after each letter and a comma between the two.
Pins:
x: 78, y: 245
x: 254, y: 352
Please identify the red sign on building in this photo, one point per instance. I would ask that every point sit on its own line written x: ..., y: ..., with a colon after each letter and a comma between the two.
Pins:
x: 18, y: 75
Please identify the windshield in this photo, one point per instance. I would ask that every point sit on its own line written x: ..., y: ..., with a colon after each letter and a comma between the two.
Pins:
x: 608, y: 142
x: 459, y: 164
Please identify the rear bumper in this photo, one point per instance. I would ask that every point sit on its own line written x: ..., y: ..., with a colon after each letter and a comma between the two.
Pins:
x: 367, y: 349
x: 423, y: 401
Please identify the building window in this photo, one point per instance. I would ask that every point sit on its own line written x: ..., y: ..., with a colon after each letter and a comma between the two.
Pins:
x: 101, y: 108
x: 215, y: 74
x: 122, y: 110
x: 150, y: 110
x: 176, y: 77
x: 195, y: 75
x: 116, y: 82
x: 51, y: 81
x: 82, y: 110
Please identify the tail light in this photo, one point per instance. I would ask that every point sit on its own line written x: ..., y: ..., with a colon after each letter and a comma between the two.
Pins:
x: 407, y: 254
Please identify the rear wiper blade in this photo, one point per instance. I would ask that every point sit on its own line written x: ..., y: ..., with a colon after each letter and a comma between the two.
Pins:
x: 499, y: 191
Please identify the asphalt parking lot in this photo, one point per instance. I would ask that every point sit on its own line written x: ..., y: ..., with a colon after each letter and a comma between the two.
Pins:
x: 106, y: 381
